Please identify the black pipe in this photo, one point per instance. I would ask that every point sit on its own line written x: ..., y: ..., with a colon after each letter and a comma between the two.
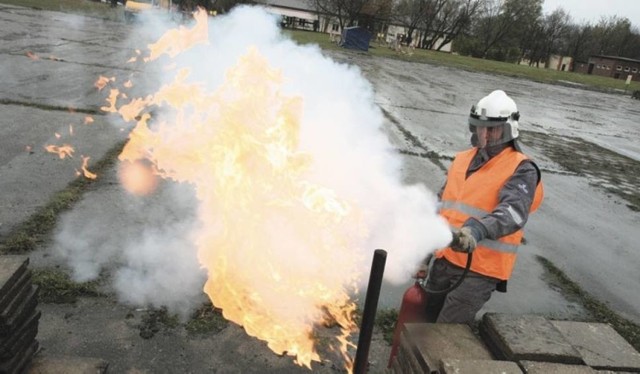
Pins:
x: 369, y: 313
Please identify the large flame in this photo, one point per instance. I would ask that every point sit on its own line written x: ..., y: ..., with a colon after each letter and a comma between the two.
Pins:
x: 279, y: 249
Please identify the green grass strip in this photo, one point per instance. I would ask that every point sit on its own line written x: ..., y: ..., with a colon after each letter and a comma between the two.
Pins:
x: 55, y: 286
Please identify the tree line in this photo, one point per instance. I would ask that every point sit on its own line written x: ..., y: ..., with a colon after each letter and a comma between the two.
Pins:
x: 504, y: 30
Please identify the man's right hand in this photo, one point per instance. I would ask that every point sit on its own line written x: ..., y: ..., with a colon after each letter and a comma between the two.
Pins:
x: 463, y: 241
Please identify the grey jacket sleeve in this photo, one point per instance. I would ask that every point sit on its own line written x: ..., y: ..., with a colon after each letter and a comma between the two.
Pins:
x: 512, y: 212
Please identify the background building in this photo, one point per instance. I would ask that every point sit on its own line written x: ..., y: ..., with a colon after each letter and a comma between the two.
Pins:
x: 610, y: 66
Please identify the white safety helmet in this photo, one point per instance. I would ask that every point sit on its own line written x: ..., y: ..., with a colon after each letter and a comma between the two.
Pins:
x: 493, y: 120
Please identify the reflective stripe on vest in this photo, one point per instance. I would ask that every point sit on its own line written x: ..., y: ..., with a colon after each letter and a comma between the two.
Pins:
x: 479, y: 213
x: 476, y: 197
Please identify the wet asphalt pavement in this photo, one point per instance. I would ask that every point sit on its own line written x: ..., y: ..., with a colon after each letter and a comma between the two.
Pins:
x: 587, y: 144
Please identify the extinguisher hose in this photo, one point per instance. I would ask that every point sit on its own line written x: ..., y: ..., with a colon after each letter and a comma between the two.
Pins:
x: 458, y: 282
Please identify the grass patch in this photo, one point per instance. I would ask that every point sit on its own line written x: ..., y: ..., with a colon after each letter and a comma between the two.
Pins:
x: 598, y: 310
x: 206, y: 319
x: 55, y: 286
x: 386, y: 323
x: 156, y: 319
x: 31, y: 233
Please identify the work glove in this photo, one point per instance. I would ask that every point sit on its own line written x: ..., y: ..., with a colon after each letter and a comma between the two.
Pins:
x: 463, y: 241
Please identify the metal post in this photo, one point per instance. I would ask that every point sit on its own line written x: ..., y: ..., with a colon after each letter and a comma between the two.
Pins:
x: 369, y: 312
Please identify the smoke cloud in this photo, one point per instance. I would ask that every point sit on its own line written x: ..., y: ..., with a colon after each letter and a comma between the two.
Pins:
x: 147, y: 242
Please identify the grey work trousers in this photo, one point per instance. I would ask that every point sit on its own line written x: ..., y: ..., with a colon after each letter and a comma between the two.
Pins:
x: 461, y: 304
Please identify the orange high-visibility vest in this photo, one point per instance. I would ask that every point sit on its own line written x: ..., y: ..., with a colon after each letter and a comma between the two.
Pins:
x: 476, y: 197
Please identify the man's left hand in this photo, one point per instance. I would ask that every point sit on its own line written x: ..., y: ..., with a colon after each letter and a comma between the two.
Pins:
x: 463, y: 241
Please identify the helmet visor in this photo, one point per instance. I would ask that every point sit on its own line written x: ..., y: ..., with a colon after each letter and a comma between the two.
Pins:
x: 487, y: 136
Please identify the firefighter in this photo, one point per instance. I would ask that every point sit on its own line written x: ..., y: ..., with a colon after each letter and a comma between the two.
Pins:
x: 489, y: 193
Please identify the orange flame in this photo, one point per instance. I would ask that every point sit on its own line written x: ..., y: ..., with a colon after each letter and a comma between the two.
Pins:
x: 85, y: 170
x: 134, y: 108
x: 62, y: 151
x: 177, y: 40
x: 113, y: 97
x: 102, y: 82
x: 270, y: 236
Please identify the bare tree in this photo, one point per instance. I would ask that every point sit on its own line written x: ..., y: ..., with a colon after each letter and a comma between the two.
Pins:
x: 454, y: 18
x: 555, y: 27
x: 410, y: 13
x: 610, y: 36
x: 346, y: 12
x: 434, y: 8
x: 578, y: 38
x: 503, y: 19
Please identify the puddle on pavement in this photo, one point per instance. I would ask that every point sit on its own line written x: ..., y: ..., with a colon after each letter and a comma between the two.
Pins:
x: 610, y: 171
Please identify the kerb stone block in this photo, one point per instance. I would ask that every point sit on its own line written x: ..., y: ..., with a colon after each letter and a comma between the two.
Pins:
x: 434, y: 342
x: 600, y: 345
x: 527, y: 338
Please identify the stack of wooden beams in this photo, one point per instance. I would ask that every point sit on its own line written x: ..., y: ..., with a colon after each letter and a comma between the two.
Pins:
x: 18, y: 314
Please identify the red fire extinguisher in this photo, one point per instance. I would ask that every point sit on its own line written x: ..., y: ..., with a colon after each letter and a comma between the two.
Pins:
x: 414, y: 301
x: 414, y: 305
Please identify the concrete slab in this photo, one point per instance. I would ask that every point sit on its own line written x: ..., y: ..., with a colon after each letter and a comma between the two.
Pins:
x: 433, y: 343
x: 532, y: 367
x: 67, y: 365
x: 600, y: 346
x: 450, y: 366
x: 527, y: 337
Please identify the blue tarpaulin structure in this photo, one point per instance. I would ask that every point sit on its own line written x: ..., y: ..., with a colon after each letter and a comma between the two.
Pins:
x: 356, y: 37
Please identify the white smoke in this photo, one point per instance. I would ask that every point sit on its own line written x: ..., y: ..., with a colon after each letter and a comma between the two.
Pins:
x: 155, y: 262
x: 143, y: 243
